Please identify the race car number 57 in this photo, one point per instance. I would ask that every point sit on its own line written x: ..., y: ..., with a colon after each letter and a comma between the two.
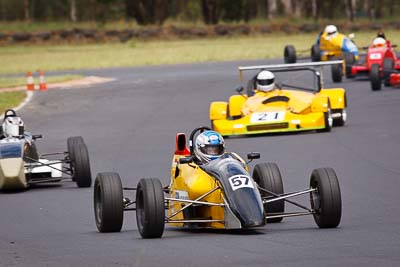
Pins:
x: 239, y: 181
x: 267, y: 116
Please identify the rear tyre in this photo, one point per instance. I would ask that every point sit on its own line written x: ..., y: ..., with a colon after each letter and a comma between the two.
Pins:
x: 268, y: 177
x: 375, y: 77
x: 337, y: 72
x: 150, y: 211
x: 326, y: 201
x: 108, y: 202
x: 349, y: 61
x: 388, y: 68
x: 290, y: 54
x: 80, y: 165
x: 315, y: 53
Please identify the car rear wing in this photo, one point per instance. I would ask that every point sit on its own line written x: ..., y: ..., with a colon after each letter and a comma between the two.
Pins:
x: 288, y: 67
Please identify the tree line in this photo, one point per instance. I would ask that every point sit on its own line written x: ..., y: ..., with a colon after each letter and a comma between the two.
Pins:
x: 146, y: 12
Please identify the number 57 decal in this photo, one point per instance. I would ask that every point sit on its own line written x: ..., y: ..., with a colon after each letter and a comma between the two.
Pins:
x: 239, y: 181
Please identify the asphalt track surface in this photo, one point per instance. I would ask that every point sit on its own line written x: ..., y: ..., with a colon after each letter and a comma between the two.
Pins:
x: 129, y: 126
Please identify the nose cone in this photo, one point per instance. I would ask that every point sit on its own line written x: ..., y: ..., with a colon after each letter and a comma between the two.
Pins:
x: 12, y: 174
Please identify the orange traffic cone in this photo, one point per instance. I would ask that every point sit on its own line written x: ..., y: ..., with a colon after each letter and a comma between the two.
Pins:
x: 42, y: 81
x: 30, y: 85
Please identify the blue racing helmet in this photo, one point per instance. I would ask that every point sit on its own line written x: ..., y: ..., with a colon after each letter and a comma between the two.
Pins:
x: 209, y: 145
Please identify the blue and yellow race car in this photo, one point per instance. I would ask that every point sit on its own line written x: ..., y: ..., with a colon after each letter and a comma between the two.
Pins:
x: 330, y: 45
x: 219, y: 194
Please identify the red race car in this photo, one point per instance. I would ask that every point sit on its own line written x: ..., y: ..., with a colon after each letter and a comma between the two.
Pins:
x: 390, y: 74
x: 372, y: 64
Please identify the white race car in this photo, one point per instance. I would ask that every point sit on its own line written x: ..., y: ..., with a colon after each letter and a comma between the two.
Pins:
x: 22, y: 166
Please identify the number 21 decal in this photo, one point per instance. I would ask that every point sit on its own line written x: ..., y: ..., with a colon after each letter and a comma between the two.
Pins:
x: 239, y: 181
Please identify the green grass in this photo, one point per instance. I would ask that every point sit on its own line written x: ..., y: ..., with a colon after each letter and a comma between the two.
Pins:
x: 11, y: 99
x: 6, y: 82
x: 137, y: 53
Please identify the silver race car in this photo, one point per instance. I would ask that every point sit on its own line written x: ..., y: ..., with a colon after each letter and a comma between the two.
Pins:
x: 22, y: 166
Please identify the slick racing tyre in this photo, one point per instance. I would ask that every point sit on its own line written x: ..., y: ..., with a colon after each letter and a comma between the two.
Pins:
x: 337, y: 72
x: 326, y: 200
x: 289, y: 54
x: 375, y: 77
x: 349, y: 61
x: 80, y: 165
x: 388, y: 68
x: 108, y: 202
x: 268, y: 177
x: 150, y: 210
x: 315, y: 53
x: 70, y: 143
x: 342, y: 119
x: 328, y: 120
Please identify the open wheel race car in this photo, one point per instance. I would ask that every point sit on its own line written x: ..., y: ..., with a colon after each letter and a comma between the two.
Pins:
x: 22, y: 166
x: 292, y: 106
x: 389, y: 73
x: 220, y: 194
x: 327, y: 48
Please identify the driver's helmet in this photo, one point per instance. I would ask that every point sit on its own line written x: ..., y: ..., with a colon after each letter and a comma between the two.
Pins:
x: 265, y: 81
x: 209, y: 145
x: 379, y: 42
x: 13, y: 126
x: 381, y: 34
x: 331, y: 30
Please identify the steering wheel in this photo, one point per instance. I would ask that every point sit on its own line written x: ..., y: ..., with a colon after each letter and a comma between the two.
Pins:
x: 193, y: 134
x: 13, y: 113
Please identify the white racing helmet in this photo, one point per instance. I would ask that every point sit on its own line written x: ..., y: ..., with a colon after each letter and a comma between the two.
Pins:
x: 13, y: 126
x: 379, y: 42
x: 331, y: 30
x: 265, y: 81
x: 209, y: 145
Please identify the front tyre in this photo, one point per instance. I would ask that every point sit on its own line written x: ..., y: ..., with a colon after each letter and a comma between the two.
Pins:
x: 268, y: 177
x: 150, y: 211
x: 375, y: 77
x: 71, y: 142
x: 328, y: 120
x: 388, y: 68
x: 108, y: 202
x: 326, y: 200
x: 80, y: 165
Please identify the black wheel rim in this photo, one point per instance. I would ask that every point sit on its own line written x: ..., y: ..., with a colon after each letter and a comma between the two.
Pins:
x: 315, y: 199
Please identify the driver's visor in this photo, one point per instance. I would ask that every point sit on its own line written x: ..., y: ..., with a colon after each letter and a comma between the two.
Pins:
x: 265, y: 82
x: 212, y: 150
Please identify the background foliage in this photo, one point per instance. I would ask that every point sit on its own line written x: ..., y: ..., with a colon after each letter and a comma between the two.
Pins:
x: 208, y: 11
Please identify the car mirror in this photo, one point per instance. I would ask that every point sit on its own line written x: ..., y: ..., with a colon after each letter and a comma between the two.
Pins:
x: 186, y: 160
x: 253, y: 155
x: 394, y: 45
x: 36, y: 136
x: 239, y: 89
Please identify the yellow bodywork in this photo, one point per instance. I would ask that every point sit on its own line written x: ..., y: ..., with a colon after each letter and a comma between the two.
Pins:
x: 190, y: 183
x: 331, y: 47
x: 292, y: 110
